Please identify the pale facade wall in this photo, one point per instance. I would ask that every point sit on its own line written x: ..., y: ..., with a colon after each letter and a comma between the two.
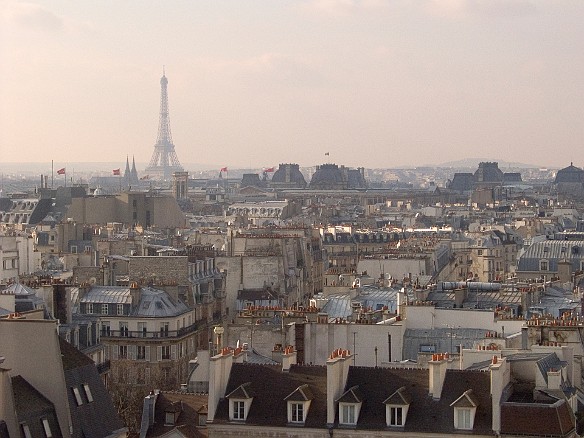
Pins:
x: 398, y: 267
x: 428, y: 317
x: 321, y: 339
x: 31, y: 349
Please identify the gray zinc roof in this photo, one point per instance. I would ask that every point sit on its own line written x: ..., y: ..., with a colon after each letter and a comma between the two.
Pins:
x: 157, y: 303
x: 553, y: 251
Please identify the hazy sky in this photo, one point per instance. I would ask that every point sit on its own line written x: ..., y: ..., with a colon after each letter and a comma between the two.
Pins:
x: 256, y: 83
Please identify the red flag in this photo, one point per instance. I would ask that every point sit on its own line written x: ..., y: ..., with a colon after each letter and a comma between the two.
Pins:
x: 116, y: 171
x: 61, y: 171
x: 269, y: 169
x: 223, y: 169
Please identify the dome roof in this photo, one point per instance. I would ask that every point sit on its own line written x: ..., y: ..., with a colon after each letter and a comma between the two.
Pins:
x: 570, y: 174
x: 289, y: 173
x: 325, y: 175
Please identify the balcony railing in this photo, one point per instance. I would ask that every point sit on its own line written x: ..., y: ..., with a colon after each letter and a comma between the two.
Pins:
x: 161, y: 334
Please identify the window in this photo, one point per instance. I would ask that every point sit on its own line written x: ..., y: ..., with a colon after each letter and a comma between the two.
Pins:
x: 543, y: 265
x: 104, y: 309
x: 480, y: 252
x: 124, y: 329
x: 238, y: 410
x: 73, y: 249
x: 164, y: 329
x: 396, y: 416
x: 105, y: 328
x: 142, y: 329
x: 77, y: 395
x: 88, y: 394
x: 123, y: 351
x: 140, y: 352
x: 347, y: 414
x: 89, y: 308
x: 165, y: 352
x: 463, y: 418
x: 47, y: 428
x: 120, y: 309
x: 297, y: 413
x: 25, y: 430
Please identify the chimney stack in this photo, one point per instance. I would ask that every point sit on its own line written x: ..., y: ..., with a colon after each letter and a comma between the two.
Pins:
x: 437, y: 372
x: 500, y: 378
x: 337, y: 370
x: 135, y: 294
x: 288, y: 358
x: 219, y: 370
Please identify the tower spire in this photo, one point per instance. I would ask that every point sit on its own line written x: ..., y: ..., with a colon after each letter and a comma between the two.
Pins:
x: 164, y: 160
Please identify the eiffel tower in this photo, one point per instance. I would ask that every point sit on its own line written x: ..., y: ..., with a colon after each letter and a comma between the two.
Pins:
x: 164, y: 161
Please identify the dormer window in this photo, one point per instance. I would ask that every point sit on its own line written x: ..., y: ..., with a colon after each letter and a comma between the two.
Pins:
x: 298, y: 403
x: 544, y: 265
x: 396, y: 408
x: 349, y: 406
x: 465, y: 408
x: 347, y: 414
x: 239, y: 402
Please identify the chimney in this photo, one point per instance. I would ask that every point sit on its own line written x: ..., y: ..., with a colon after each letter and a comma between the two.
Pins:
x: 554, y: 378
x: 459, y: 297
x: 337, y: 369
x: 219, y: 370
x: 524, y: 338
x: 437, y: 371
x: 288, y: 358
x: 135, y: 294
x: 568, y: 355
x: 500, y: 378
x: 7, y: 404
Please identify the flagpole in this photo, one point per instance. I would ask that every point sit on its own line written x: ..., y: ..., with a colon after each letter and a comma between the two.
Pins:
x: 52, y: 174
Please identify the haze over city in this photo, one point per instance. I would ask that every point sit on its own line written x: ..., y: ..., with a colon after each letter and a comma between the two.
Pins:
x: 373, y: 83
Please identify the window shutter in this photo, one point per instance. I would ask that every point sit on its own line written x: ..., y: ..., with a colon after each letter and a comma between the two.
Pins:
x: 173, y: 352
x: 114, y: 350
x: 132, y: 352
x: 147, y: 353
x: 159, y: 353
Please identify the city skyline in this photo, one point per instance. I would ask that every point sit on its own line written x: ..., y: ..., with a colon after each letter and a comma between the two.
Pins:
x: 375, y: 84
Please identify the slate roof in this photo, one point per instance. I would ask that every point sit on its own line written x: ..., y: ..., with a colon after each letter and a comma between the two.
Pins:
x: 92, y: 419
x: 187, y: 420
x: 302, y: 393
x: 271, y: 386
x: 537, y: 419
x: 424, y: 414
x: 351, y: 395
x: 31, y: 406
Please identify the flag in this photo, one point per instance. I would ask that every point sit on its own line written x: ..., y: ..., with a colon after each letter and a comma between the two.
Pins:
x: 116, y: 171
x: 269, y: 169
x: 145, y: 177
x: 61, y: 171
x: 326, y: 153
x: 223, y: 169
